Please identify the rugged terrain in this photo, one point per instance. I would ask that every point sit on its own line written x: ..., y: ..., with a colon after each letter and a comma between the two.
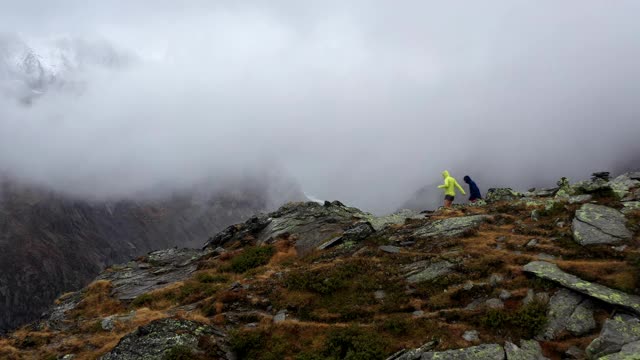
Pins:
x: 549, y: 273
x: 52, y: 243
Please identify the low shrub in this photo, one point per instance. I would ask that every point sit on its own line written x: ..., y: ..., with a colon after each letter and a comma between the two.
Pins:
x: 526, y: 322
x: 251, y: 257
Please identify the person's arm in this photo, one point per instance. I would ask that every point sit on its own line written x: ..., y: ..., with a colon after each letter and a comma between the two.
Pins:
x: 443, y: 186
x: 460, y: 188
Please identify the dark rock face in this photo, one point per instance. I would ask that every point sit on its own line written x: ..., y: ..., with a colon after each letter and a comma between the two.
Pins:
x: 616, y: 333
x: 52, y: 244
x: 165, y: 338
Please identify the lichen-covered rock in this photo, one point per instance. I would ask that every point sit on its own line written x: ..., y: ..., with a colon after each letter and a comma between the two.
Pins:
x: 502, y: 194
x: 629, y: 351
x: 424, y: 270
x: 579, y: 199
x: 562, y: 304
x: 450, y: 227
x: 630, y: 206
x: 164, y: 338
x: 550, y: 271
x: 413, y: 354
x: 528, y: 350
x: 582, y: 321
x: 597, y: 224
x: 623, y: 183
x: 399, y: 217
x: 617, y: 332
x: 480, y: 352
x: 158, y: 269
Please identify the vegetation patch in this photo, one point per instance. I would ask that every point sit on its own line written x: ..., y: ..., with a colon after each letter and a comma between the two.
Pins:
x: 525, y: 322
x: 251, y: 257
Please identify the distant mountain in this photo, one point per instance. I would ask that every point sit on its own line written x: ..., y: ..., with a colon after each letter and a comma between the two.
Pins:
x: 29, y: 69
x: 51, y: 243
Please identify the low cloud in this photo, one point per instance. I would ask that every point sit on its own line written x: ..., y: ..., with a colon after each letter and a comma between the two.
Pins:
x: 362, y: 103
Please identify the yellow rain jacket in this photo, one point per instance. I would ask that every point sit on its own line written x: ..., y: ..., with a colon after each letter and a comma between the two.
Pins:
x: 450, y: 184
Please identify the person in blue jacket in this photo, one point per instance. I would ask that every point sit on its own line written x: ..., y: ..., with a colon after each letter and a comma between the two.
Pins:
x: 474, y: 192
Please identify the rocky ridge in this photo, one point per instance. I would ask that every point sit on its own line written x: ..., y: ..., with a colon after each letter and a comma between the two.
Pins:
x: 509, y: 279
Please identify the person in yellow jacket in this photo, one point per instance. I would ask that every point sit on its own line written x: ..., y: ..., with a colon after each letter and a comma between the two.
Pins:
x: 449, y: 186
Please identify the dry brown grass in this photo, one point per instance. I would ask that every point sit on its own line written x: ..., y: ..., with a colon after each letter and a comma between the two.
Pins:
x: 612, y: 273
x: 97, y: 301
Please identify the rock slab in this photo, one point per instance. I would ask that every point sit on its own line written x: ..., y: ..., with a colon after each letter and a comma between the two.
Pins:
x: 597, y: 224
x: 552, y: 272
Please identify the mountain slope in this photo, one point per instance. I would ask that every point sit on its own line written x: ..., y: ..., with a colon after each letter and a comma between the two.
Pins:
x: 510, y: 278
x: 51, y: 243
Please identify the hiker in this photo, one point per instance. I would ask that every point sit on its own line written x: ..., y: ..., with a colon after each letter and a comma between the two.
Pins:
x: 474, y: 192
x: 449, y: 186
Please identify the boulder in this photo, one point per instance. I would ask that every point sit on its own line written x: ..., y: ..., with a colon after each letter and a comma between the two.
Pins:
x: 450, y: 227
x: 389, y: 249
x: 471, y: 335
x: 399, y: 217
x: 629, y: 351
x: 502, y: 194
x: 616, y: 332
x: 579, y: 199
x: 480, y: 352
x: 623, y: 183
x: 551, y: 272
x: 413, y: 354
x: 630, y: 206
x: 528, y: 350
x: 171, y: 338
x: 582, y: 321
x: 425, y: 271
x: 597, y: 224
x: 561, y: 306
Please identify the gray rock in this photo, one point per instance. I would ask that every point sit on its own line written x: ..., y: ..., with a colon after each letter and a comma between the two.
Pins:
x: 280, y: 316
x: 616, y: 332
x: 311, y: 223
x: 532, y: 243
x: 160, y: 338
x: 169, y: 266
x: 550, y: 271
x: 544, y: 256
x: 379, y: 295
x: 417, y: 313
x: 528, y: 350
x: 504, y: 295
x: 575, y: 353
x: 620, y: 248
x: 390, y: 249
x: 630, y: 206
x: 579, y: 199
x: 582, y: 321
x: 629, y: 351
x: 623, y: 183
x: 450, y: 227
x: 494, y: 304
x: 480, y: 352
x: 597, y: 224
x: 471, y: 336
x: 331, y: 243
x: 413, y: 354
x: 561, y: 305
x: 541, y: 297
x: 502, y: 194
x: 535, y: 215
x: 496, y: 279
x: 425, y: 271
x: 399, y: 217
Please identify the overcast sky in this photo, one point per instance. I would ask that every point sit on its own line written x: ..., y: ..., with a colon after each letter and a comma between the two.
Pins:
x: 362, y: 101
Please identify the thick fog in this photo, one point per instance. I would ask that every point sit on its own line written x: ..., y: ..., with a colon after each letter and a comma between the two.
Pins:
x: 361, y: 101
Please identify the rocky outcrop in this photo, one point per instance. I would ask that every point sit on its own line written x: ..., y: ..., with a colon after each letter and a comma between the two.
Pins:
x: 551, y: 272
x: 450, y: 227
x: 310, y: 223
x: 528, y: 350
x: 597, y: 224
x: 171, y: 339
x: 629, y: 351
x: 502, y: 194
x: 158, y: 269
x: 616, y: 333
x: 480, y: 352
x: 630, y: 206
x: 425, y: 270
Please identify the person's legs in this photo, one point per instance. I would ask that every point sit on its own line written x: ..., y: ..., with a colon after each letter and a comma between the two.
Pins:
x: 448, y: 200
